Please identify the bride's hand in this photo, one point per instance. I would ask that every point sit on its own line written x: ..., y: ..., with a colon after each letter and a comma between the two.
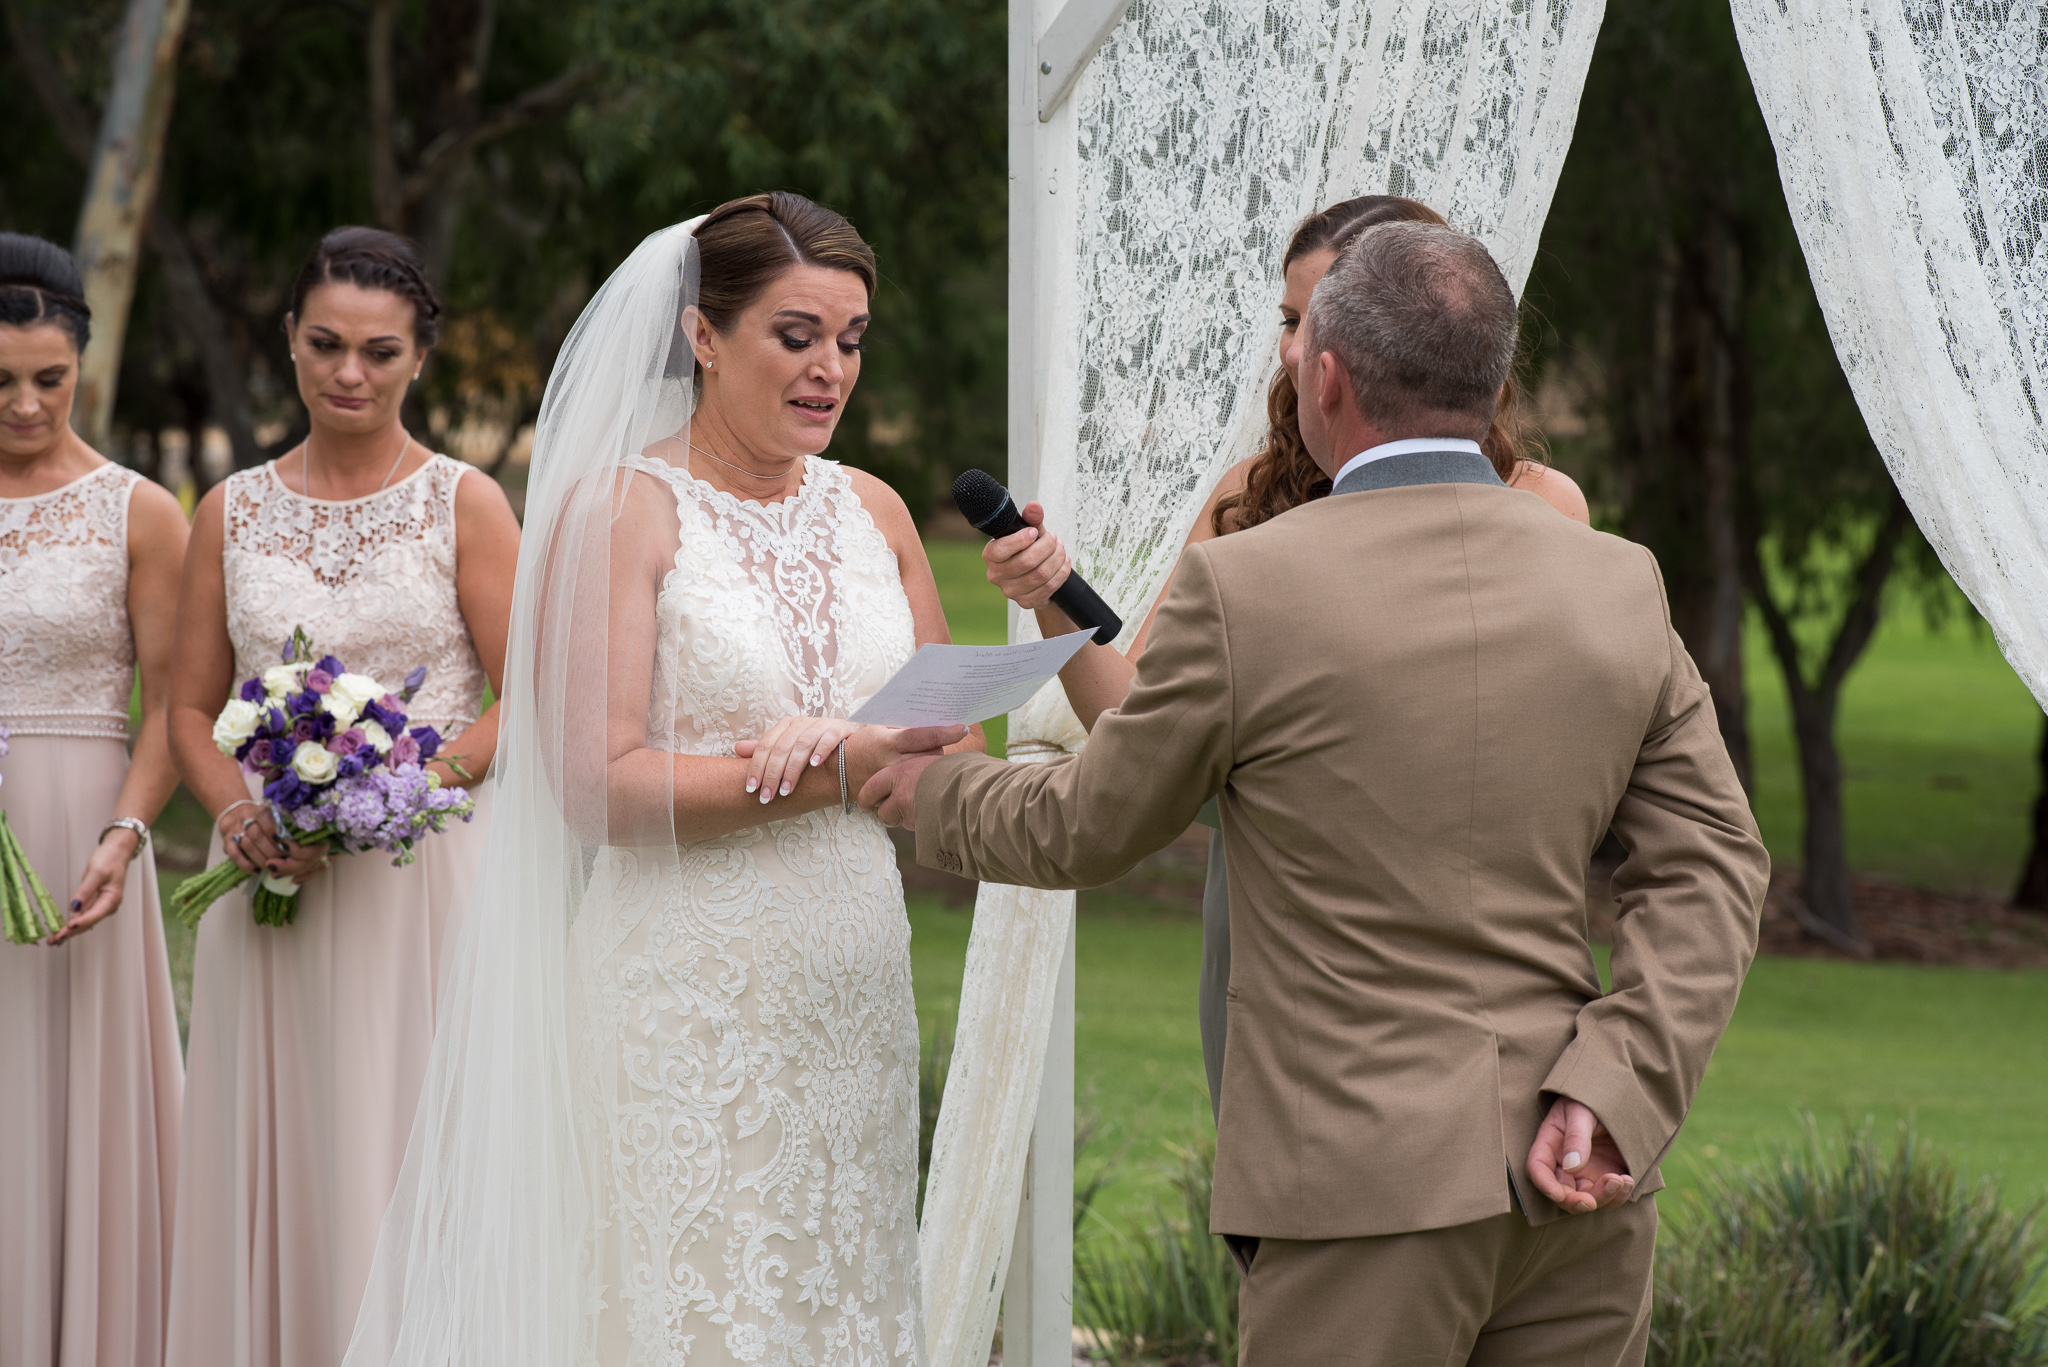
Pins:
x: 1028, y: 566
x: 778, y: 759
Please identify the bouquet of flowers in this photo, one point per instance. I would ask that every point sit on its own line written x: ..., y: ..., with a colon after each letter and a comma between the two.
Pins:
x: 339, y: 765
x: 25, y: 904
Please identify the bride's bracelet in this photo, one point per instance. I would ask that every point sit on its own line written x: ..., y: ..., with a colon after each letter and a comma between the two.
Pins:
x: 222, y: 814
x: 845, y: 806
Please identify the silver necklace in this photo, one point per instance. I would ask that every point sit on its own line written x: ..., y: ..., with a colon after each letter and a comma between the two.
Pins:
x: 306, y: 469
x: 729, y: 465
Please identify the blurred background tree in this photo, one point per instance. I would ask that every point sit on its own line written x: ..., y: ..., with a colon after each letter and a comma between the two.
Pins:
x: 528, y: 146
x: 1673, y: 310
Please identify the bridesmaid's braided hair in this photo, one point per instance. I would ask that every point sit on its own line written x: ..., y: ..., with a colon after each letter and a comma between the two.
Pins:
x: 39, y: 282
x: 1283, y: 475
x: 372, y: 259
x: 744, y: 244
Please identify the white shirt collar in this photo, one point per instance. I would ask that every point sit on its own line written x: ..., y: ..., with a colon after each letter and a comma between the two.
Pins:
x: 1406, y: 446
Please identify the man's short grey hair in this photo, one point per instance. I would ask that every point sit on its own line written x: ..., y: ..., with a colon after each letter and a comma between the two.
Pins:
x: 1423, y: 321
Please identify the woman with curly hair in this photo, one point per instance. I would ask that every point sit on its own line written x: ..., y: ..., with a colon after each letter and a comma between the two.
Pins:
x: 1029, y: 565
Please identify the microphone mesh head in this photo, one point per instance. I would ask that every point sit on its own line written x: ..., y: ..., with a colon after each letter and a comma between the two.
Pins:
x: 978, y: 496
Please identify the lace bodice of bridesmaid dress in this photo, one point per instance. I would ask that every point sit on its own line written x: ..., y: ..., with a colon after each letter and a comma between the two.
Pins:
x: 371, y: 579
x: 67, y: 655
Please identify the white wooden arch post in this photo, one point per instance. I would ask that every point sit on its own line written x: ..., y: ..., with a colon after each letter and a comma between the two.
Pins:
x: 1051, y: 43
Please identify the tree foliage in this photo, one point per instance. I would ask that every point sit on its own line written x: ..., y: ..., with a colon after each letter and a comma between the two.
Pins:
x: 529, y: 146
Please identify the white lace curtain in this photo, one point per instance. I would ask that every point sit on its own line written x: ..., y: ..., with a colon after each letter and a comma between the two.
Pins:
x: 1201, y: 134
x: 1912, y: 141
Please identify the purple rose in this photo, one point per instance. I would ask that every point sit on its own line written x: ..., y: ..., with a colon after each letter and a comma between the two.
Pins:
x: 348, y: 742
x: 429, y: 739
x: 404, y: 750
x: 252, y: 690
x: 302, y: 731
x: 319, y: 681
x: 258, y: 755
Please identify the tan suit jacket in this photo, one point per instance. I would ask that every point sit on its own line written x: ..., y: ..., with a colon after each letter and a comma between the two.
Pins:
x: 1422, y: 707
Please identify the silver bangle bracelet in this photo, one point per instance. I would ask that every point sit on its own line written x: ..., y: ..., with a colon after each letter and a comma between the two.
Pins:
x: 845, y: 803
x: 128, y: 823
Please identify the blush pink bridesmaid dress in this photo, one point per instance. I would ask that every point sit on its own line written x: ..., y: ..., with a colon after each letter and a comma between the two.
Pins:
x: 89, y: 1068
x: 309, y: 1041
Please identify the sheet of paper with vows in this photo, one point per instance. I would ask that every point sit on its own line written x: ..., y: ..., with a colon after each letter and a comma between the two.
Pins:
x: 948, y: 685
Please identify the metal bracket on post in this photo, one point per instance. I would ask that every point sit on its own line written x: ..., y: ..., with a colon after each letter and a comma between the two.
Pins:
x: 1068, y: 46
x: 1038, y: 1298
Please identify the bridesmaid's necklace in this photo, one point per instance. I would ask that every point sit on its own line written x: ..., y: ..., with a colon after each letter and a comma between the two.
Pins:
x: 306, y: 467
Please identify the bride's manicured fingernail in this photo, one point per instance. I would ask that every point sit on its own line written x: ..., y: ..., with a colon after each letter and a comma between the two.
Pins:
x: 752, y: 784
x: 766, y: 796
x: 784, y: 791
x: 816, y: 760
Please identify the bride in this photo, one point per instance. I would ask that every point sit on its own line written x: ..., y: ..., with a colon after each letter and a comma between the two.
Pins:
x: 671, y: 1116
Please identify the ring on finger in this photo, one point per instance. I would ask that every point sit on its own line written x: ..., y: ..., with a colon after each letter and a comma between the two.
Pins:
x: 236, y: 838
x: 247, y: 822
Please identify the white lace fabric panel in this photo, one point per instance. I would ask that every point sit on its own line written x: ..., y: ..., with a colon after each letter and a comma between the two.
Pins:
x: 748, y: 1030
x: 1168, y: 186
x: 372, y: 580
x: 67, y: 653
x: 1911, y: 140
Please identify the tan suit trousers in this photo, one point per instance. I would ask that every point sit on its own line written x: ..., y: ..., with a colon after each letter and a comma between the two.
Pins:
x: 1493, y: 1293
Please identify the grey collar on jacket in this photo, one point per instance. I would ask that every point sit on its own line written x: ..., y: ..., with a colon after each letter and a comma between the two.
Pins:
x: 1420, y: 467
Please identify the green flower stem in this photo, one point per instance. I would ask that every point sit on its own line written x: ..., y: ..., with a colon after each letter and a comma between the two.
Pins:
x: 202, y: 890
x: 31, y: 913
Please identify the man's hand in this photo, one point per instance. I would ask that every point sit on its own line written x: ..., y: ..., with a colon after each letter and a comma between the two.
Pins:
x: 892, y: 793
x: 1575, y: 1162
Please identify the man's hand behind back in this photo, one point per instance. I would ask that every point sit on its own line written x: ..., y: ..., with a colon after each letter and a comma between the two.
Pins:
x: 1575, y: 1163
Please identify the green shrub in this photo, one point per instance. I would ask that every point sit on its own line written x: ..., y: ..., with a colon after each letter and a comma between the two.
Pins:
x: 1168, y: 1294
x: 1908, y: 1258
x: 1714, y: 1310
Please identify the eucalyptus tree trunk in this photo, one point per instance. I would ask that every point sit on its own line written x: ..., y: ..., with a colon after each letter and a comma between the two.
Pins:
x: 127, y: 163
x: 2032, y: 893
x: 1830, y: 910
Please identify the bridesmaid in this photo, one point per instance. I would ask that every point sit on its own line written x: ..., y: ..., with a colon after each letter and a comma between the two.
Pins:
x: 89, y: 1066
x: 309, y: 1041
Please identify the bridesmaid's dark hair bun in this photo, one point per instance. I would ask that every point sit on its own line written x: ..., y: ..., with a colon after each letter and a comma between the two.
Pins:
x: 372, y: 259
x: 39, y: 282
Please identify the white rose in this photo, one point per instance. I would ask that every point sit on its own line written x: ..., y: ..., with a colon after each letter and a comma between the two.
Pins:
x: 314, y: 763
x: 349, y: 694
x: 377, y: 736
x: 341, y: 709
x: 237, y: 722
x: 278, y: 680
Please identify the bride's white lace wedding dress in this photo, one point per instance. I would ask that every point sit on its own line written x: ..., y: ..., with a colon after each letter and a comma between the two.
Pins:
x: 748, y: 1040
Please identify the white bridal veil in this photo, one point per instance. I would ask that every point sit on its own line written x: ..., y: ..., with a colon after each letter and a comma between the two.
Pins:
x: 482, y: 1258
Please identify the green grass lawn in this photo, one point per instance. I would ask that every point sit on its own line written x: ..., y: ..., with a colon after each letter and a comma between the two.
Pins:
x: 1961, y: 1052
x: 1938, y: 737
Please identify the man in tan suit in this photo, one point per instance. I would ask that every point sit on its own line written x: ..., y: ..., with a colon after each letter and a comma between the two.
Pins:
x: 1423, y: 700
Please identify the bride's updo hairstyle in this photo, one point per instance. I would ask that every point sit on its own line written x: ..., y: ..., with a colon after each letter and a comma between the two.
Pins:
x: 744, y: 244
x: 1284, y: 475
x: 40, y: 283
x: 372, y: 259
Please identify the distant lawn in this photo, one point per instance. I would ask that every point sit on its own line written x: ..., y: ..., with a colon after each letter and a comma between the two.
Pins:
x: 1963, y: 1052
x: 1938, y: 739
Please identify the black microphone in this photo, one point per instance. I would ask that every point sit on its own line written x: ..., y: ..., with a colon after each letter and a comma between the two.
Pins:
x: 993, y: 512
